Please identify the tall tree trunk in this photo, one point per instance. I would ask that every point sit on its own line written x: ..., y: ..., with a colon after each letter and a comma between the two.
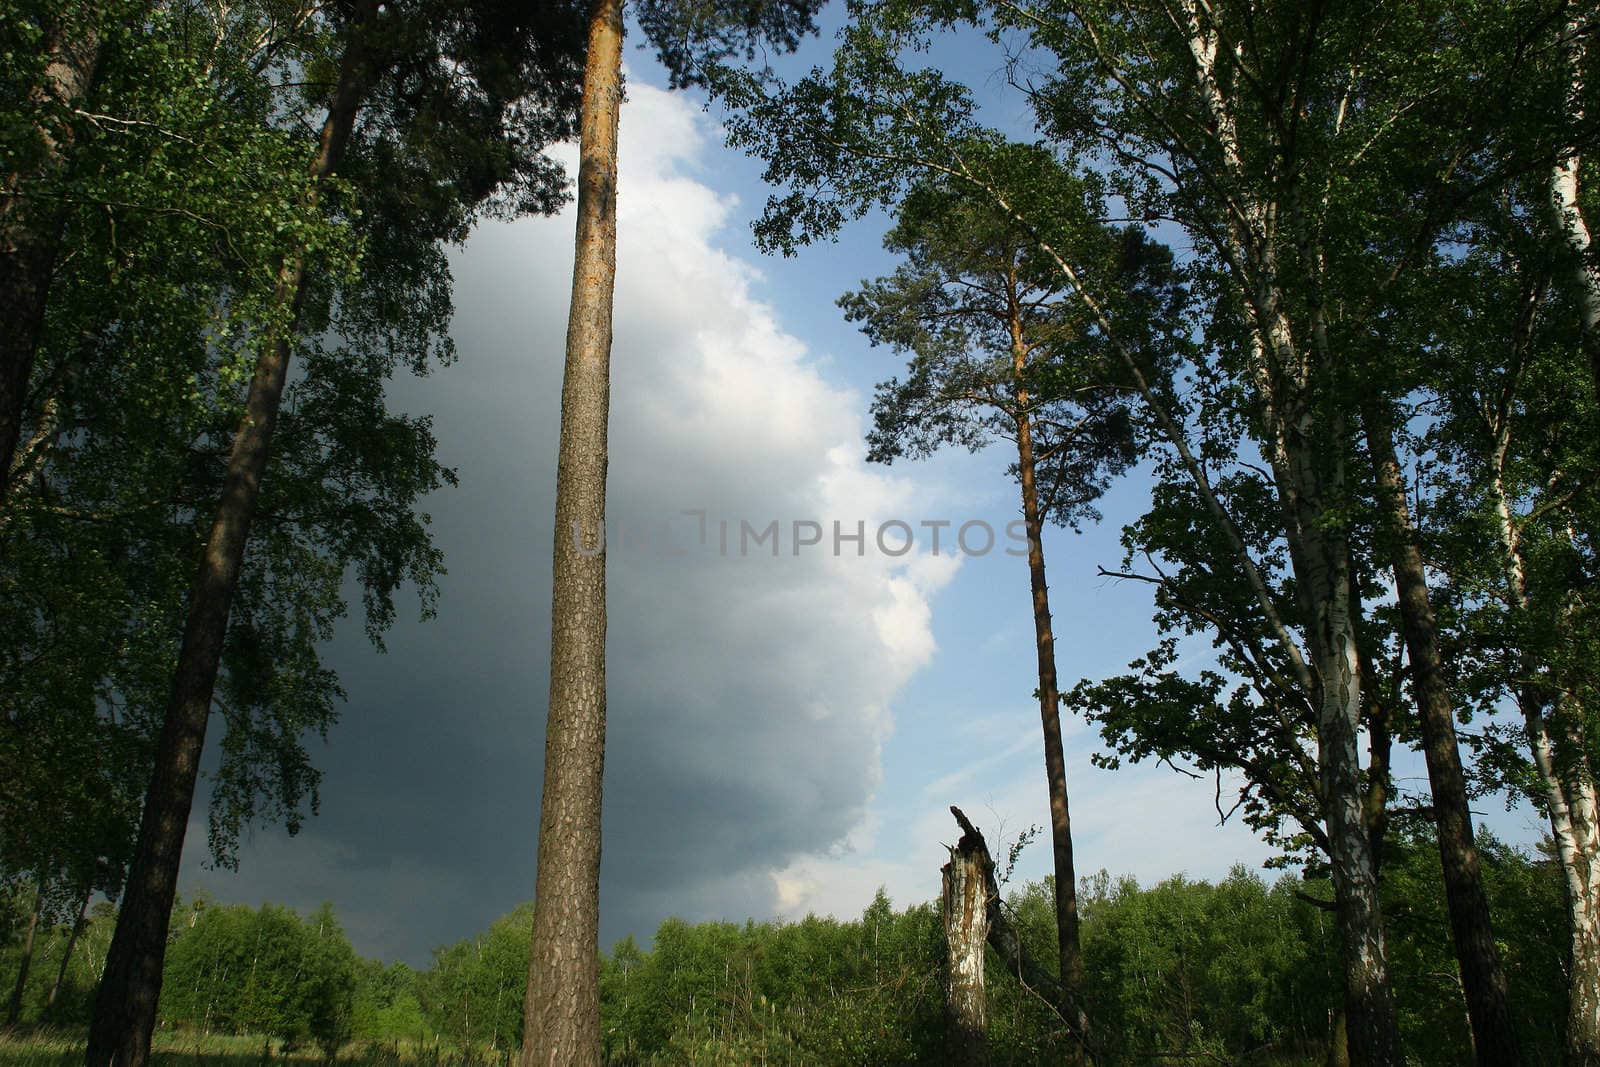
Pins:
x: 1068, y: 941
x: 14, y: 1009
x: 561, y: 1015
x: 1571, y: 227
x: 1482, y: 979
x: 1370, y: 1017
x: 1561, y: 762
x: 125, y: 1005
x: 966, y: 882
x: 66, y: 954
x: 30, y: 231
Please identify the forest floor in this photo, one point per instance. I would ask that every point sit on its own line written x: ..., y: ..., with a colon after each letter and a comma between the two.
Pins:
x: 224, y: 1050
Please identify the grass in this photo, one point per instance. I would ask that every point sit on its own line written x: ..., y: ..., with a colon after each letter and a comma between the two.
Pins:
x: 187, y: 1049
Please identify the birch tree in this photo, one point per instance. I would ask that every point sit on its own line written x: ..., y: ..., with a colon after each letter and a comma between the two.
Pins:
x: 1277, y: 136
x: 486, y: 89
x: 1512, y: 524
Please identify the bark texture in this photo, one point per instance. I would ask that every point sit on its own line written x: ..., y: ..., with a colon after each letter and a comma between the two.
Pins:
x: 30, y: 231
x: 1483, y: 980
x: 125, y: 1005
x: 966, y: 898
x: 1305, y: 441
x: 1571, y: 225
x: 1558, y: 747
x: 1068, y: 939
x: 561, y: 1015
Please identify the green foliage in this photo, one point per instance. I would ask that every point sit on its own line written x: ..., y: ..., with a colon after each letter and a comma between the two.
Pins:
x: 262, y: 971
x: 1236, y: 971
x: 188, y: 192
x: 997, y: 337
x: 473, y: 992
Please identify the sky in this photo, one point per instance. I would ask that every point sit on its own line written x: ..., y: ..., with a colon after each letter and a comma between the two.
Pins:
x: 786, y: 730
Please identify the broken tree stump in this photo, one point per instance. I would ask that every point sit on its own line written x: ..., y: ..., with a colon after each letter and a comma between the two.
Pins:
x: 968, y: 895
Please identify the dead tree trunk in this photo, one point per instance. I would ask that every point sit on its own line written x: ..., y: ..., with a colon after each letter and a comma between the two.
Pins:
x: 967, y: 894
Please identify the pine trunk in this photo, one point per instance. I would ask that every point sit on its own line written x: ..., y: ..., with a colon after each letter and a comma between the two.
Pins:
x: 14, y: 1009
x: 125, y: 1005
x: 966, y: 880
x: 1068, y: 940
x: 1482, y: 979
x: 30, y: 235
x: 561, y: 1015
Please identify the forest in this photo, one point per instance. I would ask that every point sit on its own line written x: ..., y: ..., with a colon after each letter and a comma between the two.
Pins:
x: 1314, y: 282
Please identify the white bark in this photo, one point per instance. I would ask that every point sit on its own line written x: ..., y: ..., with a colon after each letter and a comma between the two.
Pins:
x: 1571, y: 226
x: 1570, y: 799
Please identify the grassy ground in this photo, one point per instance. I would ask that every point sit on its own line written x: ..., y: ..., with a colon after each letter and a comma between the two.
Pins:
x: 221, y: 1050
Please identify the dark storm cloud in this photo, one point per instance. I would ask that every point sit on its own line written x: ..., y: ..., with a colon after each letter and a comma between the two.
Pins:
x: 747, y: 697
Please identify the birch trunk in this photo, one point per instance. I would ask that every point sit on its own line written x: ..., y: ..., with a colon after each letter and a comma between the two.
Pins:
x: 1570, y: 800
x: 1482, y: 979
x: 965, y: 900
x: 561, y: 1015
x: 30, y: 234
x: 1571, y: 226
x: 1305, y: 448
x: 125, y: 1005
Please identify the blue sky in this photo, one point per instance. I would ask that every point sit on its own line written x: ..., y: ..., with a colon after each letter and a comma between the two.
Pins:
x: 786, y: 733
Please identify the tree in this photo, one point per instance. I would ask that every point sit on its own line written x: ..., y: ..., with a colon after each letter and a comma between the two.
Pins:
x: 1000, y: 349
x: 54, y: 50
x: 264, y: 971
x: 1511, y: 518
x: 489, y: 87
x: 1267, y: 133
x: 562, y: 1009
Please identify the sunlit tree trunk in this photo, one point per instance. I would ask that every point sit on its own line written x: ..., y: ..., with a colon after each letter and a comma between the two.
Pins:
x: 125, y: 1005
x: 1068, y: 940
x: 561, y: 1016
x: 965, y: 909
x: 1571, y: 226
x: 1559, y: 752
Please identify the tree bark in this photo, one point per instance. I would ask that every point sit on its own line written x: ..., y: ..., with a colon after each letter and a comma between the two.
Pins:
x: 1482, y: 979
x: 561, y: 1015
x: 1305, y: 447
x: 967, y: 879
x: 125, y: 1005
x: 1068, y: 940
x: 30, y: 233
x: 1571, y: 227
x: 66, y: 954
x: 1561, y: 761
x: 14, y: 1009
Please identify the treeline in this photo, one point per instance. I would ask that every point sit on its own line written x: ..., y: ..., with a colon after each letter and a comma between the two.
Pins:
x: 1237, y: 971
